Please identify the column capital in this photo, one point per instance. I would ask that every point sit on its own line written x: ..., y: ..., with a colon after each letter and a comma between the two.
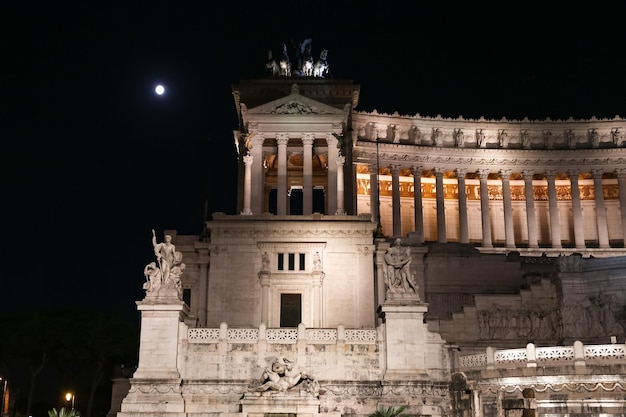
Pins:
x: 505, y: 174
x: 247, y: 160
x: 341, y: 160
x: 573, y: 174
x: 308, y: 139
x: 597, y: 174
x: 528, y: 174
x: 417, y: 170
x: 282, y: 139
x: 395, y: 169
x: 460, y: 173
x: 483, y: 173
x: 550, y: 174
x: 439, y: 172
x: 620, y: 173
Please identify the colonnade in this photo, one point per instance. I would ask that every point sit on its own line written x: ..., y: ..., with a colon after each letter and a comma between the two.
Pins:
x: 254, y: 175
x: 532, y: 231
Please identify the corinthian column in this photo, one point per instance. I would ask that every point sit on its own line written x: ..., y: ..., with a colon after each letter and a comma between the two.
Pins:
x: 484, y: 208
x: 441, y: 211
x: 281, y: 194
x: 418, y: 213
x: 531, y: 216
x: 374, y: 198
x: 341, y: 160
x: 621, y: 180
x: 509, y: 232
x: 555, y: 224
x: 307, y: 175
x: 603, y: 231
x: 395, y: 200
x: 247, y: 184
x: 462, y: 193
x: 577, y: 211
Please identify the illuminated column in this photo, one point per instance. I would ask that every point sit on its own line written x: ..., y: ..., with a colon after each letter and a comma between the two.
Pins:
x: 509, y: 232
x: 374, y: 199
x: 247, y: 184
x: 577, y: 211
x: 395, y: 200
x: 417, y: 202
x: 307, y: 175
x: 462, y: 193
x: 333, y: 154
x: 441, y: 211
x: 531, y: 216
x: 341, y: 160
x: 555, y: 224
x: 281, y: 192
x: 484, y: 208
x: 257, y: 188
x: 621, y: 179
x: 603, y: 231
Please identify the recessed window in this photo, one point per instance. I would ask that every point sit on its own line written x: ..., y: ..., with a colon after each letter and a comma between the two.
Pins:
x: 187, y: 296
x: 292, y: 261
x: 281, y: 261
x: 290, y: 310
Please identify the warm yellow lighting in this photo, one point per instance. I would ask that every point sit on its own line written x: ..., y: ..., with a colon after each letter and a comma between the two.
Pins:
x: 70, y: 397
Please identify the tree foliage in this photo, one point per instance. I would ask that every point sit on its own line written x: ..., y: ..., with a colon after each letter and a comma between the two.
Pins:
x: 82, y: 347
x: 389, y: 412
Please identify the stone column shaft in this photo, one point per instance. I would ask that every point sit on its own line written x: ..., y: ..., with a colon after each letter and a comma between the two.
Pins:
x: 621, y: 180
x: 462, y: 193
x: 441, y: 211
x: 509, y: 231
x: 555, y: 224
x: 417, y: 202
x: 603, y: 231
x: 531, y: 216
x: 247, y: 185
x: 281, y: 192
x: 484, y: 208
x: 395, y: 200
x: 341, y: 160
x: 307, y: 175
x: 577, y: 211
x: 374, y: 198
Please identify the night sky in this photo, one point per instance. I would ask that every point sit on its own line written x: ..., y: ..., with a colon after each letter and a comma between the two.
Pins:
x: 93, y: 159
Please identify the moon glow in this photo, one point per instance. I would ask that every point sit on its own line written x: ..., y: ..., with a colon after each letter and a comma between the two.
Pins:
x: 159, y: 89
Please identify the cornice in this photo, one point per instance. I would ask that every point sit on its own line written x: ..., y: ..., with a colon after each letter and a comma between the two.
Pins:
x: 496, y: 159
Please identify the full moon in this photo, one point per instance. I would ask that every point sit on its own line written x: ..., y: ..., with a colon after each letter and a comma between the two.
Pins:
x: 159, y: 89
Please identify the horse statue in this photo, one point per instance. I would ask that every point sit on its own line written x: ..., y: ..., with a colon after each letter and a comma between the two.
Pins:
x: 285, y: 63
x: 271, y: 67
x: 307, y: 63
x: 321, y: 66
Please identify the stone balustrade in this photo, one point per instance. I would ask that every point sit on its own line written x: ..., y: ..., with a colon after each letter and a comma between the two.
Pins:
x: 532, y: 356
x: 282, y: 335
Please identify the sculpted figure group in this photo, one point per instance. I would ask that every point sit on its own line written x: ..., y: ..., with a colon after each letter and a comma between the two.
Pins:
x: 167, y: 269
x: 396, y: 273
x: 302, y: 64
x: 285, y: 375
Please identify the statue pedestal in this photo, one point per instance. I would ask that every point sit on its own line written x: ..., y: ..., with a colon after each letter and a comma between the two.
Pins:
x: 406, y: 339
x: 156, y: 384
x: 258, y: 404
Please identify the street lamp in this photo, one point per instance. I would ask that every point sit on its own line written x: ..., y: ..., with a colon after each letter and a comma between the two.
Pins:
x: 4, y: 394
x: 70, y: 397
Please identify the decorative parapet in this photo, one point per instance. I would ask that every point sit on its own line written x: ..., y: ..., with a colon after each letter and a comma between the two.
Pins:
x: 531, y: 356
x: 282, y: 335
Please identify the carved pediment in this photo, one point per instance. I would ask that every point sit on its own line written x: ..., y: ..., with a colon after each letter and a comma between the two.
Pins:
x: 294, y: 104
